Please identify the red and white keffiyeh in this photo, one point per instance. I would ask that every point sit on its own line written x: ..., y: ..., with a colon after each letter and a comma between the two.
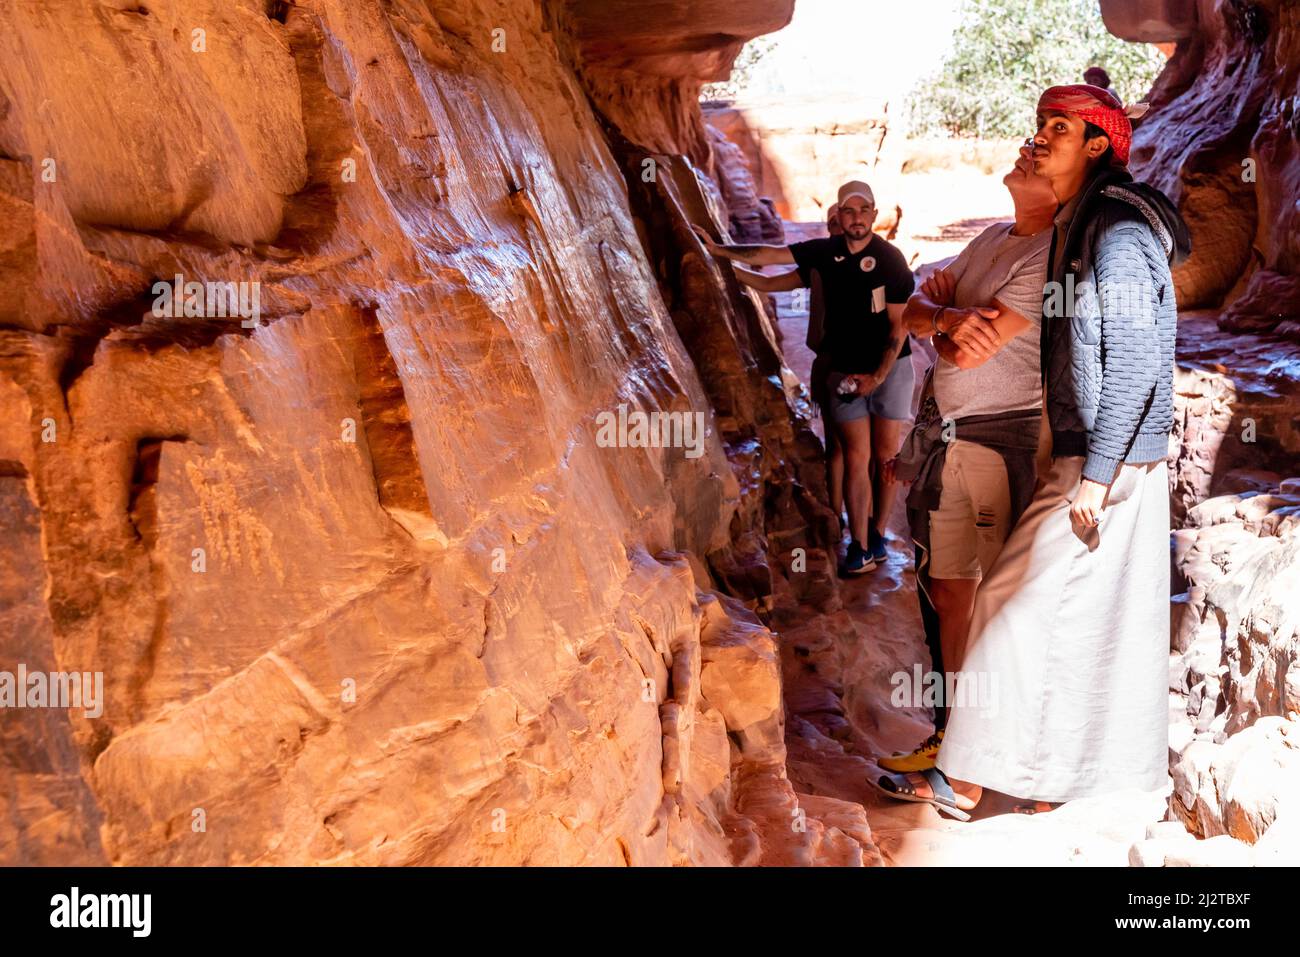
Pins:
x: 1094, y: 105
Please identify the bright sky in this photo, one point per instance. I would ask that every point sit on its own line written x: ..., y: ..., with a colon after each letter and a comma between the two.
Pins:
x: 877, y: 48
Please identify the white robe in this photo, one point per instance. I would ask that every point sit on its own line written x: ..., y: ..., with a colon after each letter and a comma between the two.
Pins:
x: 1069, y: 642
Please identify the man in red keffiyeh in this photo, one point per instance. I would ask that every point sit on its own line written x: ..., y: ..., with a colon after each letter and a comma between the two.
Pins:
x: 1096, y: 107
x: 1073, y: 619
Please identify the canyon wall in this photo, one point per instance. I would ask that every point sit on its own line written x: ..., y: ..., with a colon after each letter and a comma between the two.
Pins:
x: 368, y: 572
x: 1223, y: 140
x: 364, y: 578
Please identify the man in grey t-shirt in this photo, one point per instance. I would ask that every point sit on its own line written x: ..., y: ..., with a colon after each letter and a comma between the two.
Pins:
x: 984, y: 312
x: 1011, y: 269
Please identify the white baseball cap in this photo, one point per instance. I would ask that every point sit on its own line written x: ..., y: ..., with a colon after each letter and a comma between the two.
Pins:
x: 855, y: 187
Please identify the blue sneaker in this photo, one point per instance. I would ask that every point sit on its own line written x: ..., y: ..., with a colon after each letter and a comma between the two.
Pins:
x: 857, y: 561
x: 876, y: 546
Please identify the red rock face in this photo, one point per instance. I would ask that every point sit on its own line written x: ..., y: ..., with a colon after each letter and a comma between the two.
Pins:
x: 362, y: 579
x: 1222, y: 141
x: 362, y: 575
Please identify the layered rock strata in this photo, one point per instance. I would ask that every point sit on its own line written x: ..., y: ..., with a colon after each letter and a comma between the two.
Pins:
x: 364, y: 577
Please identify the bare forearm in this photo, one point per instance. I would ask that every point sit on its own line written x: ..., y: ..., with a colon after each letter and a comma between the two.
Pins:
x: 897, y: 335
x: 754, y: 254
x: 919, y: 314
x: 947, y: 350
x: 954, y: 354
x: 779, y: 282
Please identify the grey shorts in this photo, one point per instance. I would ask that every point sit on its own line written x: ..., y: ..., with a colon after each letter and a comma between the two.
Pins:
x: 892, y: 399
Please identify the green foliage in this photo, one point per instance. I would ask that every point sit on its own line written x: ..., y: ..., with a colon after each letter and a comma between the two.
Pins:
x: 1006, y: 52
x: 741, y: 71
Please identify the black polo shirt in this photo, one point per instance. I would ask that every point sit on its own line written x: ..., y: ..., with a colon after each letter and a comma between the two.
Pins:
x: 856, y: 287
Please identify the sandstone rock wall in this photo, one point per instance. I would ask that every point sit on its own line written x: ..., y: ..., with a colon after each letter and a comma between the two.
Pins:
x: 363, y: 584
x: 1223, y: 140
x: 1235, y: 676
x: 1235, y: 662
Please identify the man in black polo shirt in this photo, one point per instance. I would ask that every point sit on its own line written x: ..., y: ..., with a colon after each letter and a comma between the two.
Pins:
x: 788, y: 282
x: 865, y: 285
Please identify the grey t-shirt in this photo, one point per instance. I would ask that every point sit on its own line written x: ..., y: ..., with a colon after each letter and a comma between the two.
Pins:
x: 1011, y: 269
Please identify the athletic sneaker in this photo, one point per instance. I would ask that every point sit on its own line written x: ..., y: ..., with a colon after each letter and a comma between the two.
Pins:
x: 857, y: 561
x: 876, y: 546
x: 921, y: 759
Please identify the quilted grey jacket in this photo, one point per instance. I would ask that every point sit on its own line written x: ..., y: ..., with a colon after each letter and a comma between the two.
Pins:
x: 1109, y: 324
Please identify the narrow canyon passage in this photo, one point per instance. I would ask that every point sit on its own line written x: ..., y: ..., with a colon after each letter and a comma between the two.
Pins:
x: 367, y: 576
